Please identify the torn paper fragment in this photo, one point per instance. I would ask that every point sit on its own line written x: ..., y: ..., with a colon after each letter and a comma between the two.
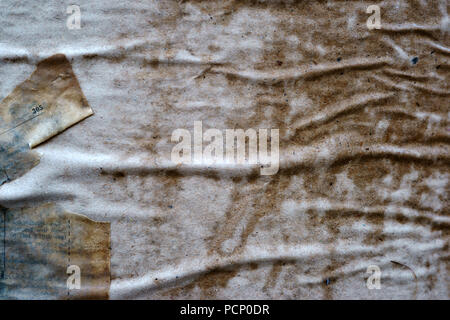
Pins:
x: 47, y: 253
x: 16, y: 158
x: 46, y: 104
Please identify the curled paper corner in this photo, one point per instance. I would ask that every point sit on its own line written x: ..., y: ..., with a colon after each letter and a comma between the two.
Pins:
x: 44, y: 105
x: 49, y: 253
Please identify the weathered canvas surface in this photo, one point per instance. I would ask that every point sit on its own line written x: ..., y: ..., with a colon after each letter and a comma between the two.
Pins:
x: 363, y: 119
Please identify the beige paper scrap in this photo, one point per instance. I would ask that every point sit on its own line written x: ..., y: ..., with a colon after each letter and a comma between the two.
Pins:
x: 46, y: 104
x: 48, y: 253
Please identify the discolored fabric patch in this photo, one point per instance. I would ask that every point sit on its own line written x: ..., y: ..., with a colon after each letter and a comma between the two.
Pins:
x: 46, y: 104
x: 41, y: 247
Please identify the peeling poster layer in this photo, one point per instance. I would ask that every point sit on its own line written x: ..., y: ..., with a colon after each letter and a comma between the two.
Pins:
x: 39, y: 244
x: 47, y: 103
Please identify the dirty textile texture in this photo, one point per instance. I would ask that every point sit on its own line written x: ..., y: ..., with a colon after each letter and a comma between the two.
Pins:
x: 363, y: 117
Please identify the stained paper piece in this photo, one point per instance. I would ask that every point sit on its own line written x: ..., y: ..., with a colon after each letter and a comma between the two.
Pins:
x: 46, y: 104
x: 48, y: 253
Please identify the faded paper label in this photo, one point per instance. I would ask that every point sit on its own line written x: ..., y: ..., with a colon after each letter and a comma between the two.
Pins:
x: 46, y: 104
x: 47, y: 253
